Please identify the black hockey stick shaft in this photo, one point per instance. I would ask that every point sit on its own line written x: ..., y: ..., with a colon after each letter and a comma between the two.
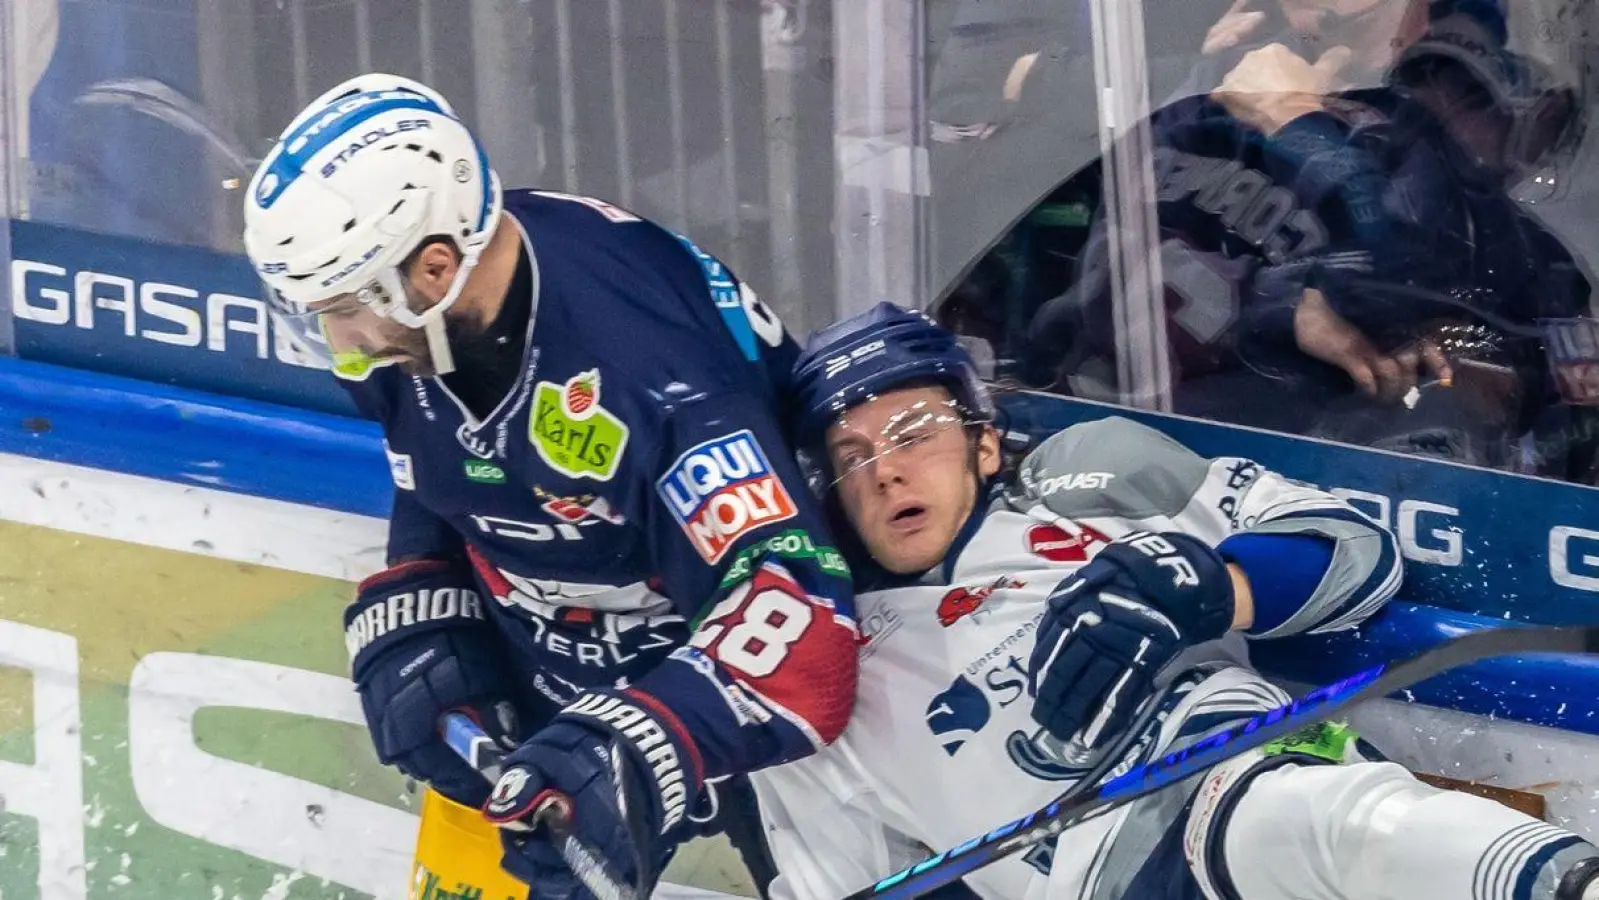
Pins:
x: 481, y: 752
x: 1316, y: 706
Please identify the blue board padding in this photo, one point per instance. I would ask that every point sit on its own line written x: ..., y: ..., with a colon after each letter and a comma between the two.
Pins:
x: 190, y: 437
x: 1560, y: 692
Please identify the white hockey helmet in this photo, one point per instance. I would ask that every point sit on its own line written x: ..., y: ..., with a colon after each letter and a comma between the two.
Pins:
x: 360, y: 179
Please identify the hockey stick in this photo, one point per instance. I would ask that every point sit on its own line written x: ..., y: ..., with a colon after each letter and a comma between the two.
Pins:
x: 1087, y: 801
x: 482, y: 753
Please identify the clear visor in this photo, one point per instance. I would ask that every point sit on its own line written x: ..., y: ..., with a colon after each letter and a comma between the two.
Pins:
x: 299, y: 329
x: 920, y: 436
x: 382, y: 298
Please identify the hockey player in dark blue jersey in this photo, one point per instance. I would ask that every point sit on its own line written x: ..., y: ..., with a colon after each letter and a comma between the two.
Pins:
x: 601, y: 547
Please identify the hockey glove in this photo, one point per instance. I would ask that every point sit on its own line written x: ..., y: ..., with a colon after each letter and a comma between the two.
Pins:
x: 627, y: 773
x: 1112, y: 625
x: 420, y: 647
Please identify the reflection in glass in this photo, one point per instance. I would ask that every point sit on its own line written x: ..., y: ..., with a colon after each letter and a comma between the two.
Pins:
x: 1364, y: 213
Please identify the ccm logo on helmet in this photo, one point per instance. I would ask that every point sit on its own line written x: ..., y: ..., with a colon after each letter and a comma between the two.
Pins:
x: 723, y: 489
x: 837, y: 364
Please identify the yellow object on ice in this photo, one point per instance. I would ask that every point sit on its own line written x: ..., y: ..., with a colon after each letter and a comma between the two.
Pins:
x: 458, y: 856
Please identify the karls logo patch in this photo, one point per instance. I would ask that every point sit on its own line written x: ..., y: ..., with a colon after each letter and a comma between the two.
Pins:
x: 572, y: 432
x: 1056, y: 544
x: 723, y: 489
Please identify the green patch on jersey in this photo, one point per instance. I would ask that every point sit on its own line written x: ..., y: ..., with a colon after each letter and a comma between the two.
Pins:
x: 794, y: 543
x: 572, y: 432
x: 1324, y: 740
x: 483, y: 472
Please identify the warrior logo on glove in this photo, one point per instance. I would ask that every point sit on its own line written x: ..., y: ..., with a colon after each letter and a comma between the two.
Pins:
x: 507, y: 795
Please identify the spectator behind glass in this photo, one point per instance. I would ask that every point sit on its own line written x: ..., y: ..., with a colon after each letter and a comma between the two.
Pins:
x: 1462, y: 298
x: 1336, y: 258
x: 1035, y: 259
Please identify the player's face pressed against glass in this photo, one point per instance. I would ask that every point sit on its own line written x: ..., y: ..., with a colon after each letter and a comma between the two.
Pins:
x: 904, y: 467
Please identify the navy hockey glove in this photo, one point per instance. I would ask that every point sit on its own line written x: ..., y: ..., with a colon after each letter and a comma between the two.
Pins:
x: 420, y: 647
x: 1118, y: 621
x: 623, y: 767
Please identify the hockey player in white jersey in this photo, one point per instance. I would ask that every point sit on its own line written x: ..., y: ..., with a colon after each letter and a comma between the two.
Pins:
x: 1097, y: 601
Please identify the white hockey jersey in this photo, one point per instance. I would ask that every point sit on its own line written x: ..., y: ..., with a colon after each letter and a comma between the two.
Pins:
x: 941, y: 745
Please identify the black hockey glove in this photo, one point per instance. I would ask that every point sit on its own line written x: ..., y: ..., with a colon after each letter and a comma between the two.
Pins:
x: 625, y: 777
x: 1118, y: 620
x: 420, y: 647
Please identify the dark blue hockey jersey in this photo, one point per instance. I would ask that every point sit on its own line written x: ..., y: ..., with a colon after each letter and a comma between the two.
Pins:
x: 632, y: 504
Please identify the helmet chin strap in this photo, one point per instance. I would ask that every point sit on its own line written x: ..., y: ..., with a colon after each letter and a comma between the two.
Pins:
x: 431, y: 321
x: 439, y: 347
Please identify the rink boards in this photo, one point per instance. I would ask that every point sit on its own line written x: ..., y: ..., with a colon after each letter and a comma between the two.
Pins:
x: 175, y: 715
x: 175, y: 719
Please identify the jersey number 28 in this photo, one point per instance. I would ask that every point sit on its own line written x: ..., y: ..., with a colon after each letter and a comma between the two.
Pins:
x: 753, y: 627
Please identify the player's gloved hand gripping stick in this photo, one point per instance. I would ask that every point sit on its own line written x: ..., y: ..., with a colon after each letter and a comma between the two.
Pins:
x: 1087, y: 801
x: 482, y: 753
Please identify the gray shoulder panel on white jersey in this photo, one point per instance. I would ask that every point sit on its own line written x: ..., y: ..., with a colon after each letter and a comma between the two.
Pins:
x: 1111, y: 467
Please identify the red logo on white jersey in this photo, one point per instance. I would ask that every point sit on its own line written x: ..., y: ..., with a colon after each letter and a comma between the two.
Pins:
x: 962, y: 602
x: 1055, y: 544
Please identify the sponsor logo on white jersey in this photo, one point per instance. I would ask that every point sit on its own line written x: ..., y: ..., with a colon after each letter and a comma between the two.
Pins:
x: 1055, y: 544
x: 1075, y: 481
x: 877, y: 626
x: 961, y: 602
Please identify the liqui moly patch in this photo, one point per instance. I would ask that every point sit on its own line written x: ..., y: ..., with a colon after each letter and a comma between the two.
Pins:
x: 1573, y: 351
x: 723, y: 489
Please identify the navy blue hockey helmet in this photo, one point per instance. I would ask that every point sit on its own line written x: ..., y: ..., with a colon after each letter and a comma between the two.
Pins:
x: 886, y: 347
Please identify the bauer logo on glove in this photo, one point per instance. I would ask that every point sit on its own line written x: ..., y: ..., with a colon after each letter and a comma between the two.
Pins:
x: 1166, y: 556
